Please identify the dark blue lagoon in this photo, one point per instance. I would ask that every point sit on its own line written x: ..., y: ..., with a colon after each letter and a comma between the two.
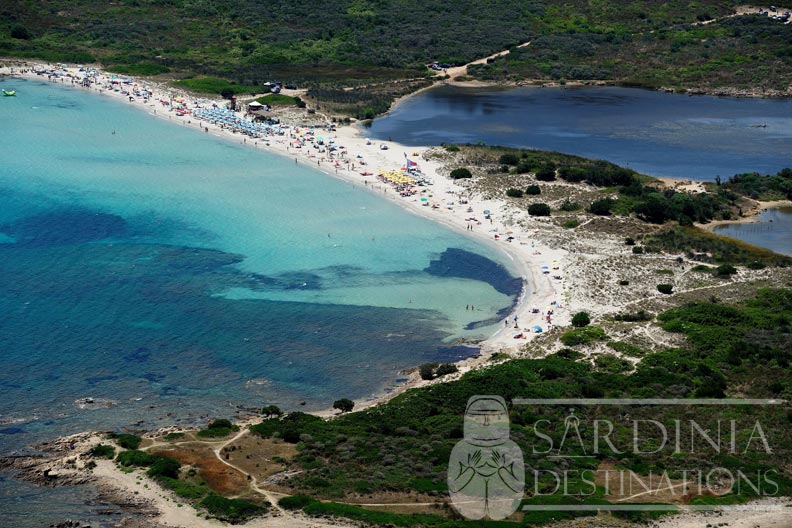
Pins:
x: 656, y: 133
x: 150, y: 274
x: 772, y: 230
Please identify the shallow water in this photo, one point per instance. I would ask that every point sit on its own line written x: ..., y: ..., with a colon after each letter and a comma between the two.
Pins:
x: 773, y: 231
x: 172, y: 276
x: 656, y: 133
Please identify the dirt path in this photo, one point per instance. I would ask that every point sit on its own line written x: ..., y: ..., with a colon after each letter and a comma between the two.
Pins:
x: 457, y: 71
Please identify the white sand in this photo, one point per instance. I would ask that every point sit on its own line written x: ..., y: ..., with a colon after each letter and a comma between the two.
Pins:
x: 527, y: 252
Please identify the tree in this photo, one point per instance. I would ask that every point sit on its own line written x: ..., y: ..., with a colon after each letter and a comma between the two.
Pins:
x: 581, y: 319
x: 227, y: 93
x: 533, y: 190
x: 271, y: 411
x: 344, y: 405
x: 539, y: 209
x: 461, y: 173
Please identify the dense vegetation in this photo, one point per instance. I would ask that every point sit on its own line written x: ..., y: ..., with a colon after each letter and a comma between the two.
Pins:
x: 336, y: 43
x: 404, y: 445
x: 653, y: 44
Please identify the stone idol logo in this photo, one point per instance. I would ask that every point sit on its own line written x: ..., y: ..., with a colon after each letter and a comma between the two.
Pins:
x: 616, y: 455
x: 486, y: 473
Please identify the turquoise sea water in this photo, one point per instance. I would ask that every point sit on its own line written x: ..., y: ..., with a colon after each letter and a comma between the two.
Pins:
x: 172, y: 276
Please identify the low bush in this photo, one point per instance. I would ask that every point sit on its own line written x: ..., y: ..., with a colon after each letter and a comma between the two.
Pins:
x: 508, y: 159
x: 102, y: 451
x: 446, y: 368
x: 581, y: 319
x: 571, y: 224
x: 461, y: 173
x: 451, y: 148
x: 725, y: 271
x: 539, y: 209
x: 234, y: 511
x: 602, y: 207
x: 126, y: 440
x: 514, y: 193
x: 533, y: 190
x: 164, y: 467
x: 295, y: 502
x: 637, y: 250
x: 583, y: 336
x: 666, y: 289
x: 133, y: 457
x: 569, y: 205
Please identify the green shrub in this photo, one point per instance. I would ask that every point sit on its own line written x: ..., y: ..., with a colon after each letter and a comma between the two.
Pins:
x: 581, y: 319
x: 569, y: 205
x: 185, y: 490
x: 217, y: 432
x: 635, y: 317
x: 102, y: 451
x: 426, y: 371
x: 461, y: 173
x: 508, y: 159
x: 533, y: 190
x: 602, y: 207
x: 221, y: 423
x: 231, y: 510
x: 637, y: 250
x: 546, y: 174
x: 174, y: 436
x: 164, y: 467
x: 126, y: 440
x: 583, y: 336
x: 611, y: 364
x: 514, y: 193
x: 451, y: 148
x: 295, y: 502
x: 725, y: 270
x: 446, y: 368
x: 627, y: 349
x: 571, y: 224
x: 624, y: 282
x: 630, y: 241
x: 133, y: 457
x: 539, y: 209
x: 667, y: 289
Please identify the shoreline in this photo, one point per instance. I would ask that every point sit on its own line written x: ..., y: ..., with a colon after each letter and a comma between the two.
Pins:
x: 525, y: 257
x: 750, y: 217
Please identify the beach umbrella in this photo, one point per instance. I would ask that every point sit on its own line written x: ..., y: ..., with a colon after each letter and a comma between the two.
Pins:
x: 545, y: 267
x: 537, y: 329
x: 486, y: 211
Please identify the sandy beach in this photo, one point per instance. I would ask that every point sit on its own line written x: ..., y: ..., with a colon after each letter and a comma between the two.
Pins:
x: 525, y: 251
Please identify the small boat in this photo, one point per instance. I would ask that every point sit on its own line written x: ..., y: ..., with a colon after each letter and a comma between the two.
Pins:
x: 9, y: 94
